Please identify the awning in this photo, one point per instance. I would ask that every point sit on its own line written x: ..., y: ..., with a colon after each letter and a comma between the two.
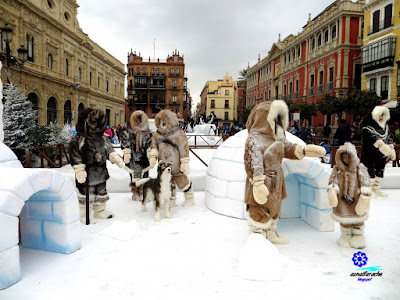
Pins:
x: 390, y: 104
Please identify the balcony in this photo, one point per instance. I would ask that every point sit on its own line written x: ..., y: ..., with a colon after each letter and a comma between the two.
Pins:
x: 295, y: 95
x: 157, y: 102
x: 226, y: 106
x: 320, y: 88
x: 174, y: 103
x: 329, y: 86
x: 310, y: 91
x: 386, y: 23
x: 379, y: 55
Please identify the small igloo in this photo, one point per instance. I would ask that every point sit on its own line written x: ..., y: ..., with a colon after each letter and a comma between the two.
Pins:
x: 306, y: 182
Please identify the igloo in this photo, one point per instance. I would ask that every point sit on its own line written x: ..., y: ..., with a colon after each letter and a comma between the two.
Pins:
x: 306, y: 182
x: 47, y: 205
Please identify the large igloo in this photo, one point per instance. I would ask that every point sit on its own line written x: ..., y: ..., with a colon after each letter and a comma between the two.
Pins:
x: 306, y: 182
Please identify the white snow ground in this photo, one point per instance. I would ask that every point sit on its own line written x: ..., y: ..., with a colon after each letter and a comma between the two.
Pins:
x: 195, y: 256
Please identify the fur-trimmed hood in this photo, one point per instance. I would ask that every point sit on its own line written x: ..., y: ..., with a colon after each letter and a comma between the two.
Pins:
x: 166, y: 121
x: 139, y: 121
x: 354, y: 160
x: 380, y: 111
x: 262, y: 119
x: 95, y: 119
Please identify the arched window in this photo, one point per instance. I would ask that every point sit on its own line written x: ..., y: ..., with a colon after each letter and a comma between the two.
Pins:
x: 50, y: 61
x: 67, y: 112
x: 51, y: 110
x: 34, y: 99
x: 144, y: 71
x: 90, y: 78
x: 79, y: 73
x: 66, y: 66
x: 138, y: 71
x: 81, y: 107
x: 333, y: 32
x: 326, y: 37
x: 319, y: 40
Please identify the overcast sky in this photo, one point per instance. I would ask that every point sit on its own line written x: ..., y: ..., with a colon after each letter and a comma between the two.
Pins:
x: 215, y: 36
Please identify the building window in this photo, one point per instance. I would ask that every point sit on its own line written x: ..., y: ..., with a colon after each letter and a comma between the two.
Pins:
x: 90, y: 78
x: 290, y: 87
x: 319, y: 40
x: 79, y: 74
x: 158, y: 71
x: 66, y: 16
x: 50, y: 3
x: 297, y: 85
x: 384, y: 87
x: 138, y: 71
x: 98, y: 82
x: 51, y: 110
x: 152, y: 71
x: 388, y: 16
x: 174, y: 84
x: 226, y: 115
x: 172, y: 71
x: 227, y: 92
x: 144, y: 71
x: 326, y: 37
x: 313, y: 44
x: 212, y: 103
x: 177, y: 71
x: 333, y: 32
x: 50, y: 61
x: 226, y: 103
x: 67, y: 112
x: 284, y: 89
x: 312, y: 80
x: 174, y: 99
x: 331, y: 74
x: 81, y: 107
x: 298, y: 52
x: 66, y: 67
x: 372, y: 84
x: 107, y: 85
x: 162, y: 71
x: 30, y: 47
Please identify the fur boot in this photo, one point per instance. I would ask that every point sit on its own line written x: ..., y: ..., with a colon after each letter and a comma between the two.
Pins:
x: 82, y: 210
x: 136, y: 194
x: 273, y: 236
x: 258, y: 227
x: 189, y: 196
x: 376, y: 187
x: 357, y: 240
x: 344, y: 240
x: 100, y: 212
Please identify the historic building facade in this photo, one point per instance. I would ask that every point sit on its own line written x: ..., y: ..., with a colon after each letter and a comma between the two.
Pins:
x: 156, y: 85
x: 221, y: 99
x: 381, y: 49
x: 323, y: 58
x: 66, y: 71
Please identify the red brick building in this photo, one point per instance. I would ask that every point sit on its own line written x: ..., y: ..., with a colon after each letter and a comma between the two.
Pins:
x: 323, y: 58
x: 156, y: 85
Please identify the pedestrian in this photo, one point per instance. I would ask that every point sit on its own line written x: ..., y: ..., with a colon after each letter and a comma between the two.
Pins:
x: 319, y: 131
x: 327, y: 131
x: 303, y: 134
x: 343, y: 133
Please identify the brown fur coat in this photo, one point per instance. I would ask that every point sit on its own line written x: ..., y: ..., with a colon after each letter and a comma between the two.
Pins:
x: 265, y: 148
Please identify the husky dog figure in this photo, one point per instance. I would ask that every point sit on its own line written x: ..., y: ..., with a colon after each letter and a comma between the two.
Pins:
x: 159, y: 190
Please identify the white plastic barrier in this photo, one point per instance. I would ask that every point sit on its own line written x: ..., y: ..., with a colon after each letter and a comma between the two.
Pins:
x: 47, y: 205
x: 306, y: 182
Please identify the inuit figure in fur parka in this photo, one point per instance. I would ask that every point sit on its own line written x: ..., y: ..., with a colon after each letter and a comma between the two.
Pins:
x: 169, y: 144
x: 349, y: 194
x: 377, y: 146
x: 265, y: 148
x: 89, y: 151
x: 135, y: 142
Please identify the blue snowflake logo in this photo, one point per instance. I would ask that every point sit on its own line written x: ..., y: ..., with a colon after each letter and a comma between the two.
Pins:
x: 360, y: 259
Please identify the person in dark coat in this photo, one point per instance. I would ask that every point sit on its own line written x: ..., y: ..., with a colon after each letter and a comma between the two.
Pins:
x: 303, y: 134
x: 89, y: 151
x: 327, y: 130
x: 135, y: 141
x: 343, y: 133
x: 377, y: 146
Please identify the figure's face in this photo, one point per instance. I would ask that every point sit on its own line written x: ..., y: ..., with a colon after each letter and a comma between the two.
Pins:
x: 381, y: 118
x: 346, y: 158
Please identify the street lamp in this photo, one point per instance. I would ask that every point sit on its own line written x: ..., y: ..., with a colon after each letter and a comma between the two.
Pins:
x: 6, y: 57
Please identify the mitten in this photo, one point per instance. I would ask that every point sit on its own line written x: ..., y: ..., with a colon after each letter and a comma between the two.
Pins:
x: 382, y: 147
x: 260, y: 190
x: 185, y: 168
x: 153, y: 157
x: 116, y: 159
x: 80, y: 173
x: 332, y: 195
x: 127, y: 155
x: 362, y: 206
x: 392, y: 154
x: 314, y: 151
x: 299, y: 151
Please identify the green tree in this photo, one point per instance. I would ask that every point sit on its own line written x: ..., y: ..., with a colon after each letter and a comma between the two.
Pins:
x: 330, y: 105
x: 306, y: 110
x: 242, y: 75
x: 360, y: 102
x: 245, y: 114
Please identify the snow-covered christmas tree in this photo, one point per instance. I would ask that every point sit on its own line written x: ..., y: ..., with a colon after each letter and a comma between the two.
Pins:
x: 18, y: 118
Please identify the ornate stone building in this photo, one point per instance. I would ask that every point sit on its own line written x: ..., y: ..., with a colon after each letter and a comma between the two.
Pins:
x: 324, y: 58
x: 157, y: 85
x: 66, y: 71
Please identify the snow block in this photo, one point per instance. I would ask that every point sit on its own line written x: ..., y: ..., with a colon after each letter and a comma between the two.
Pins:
x: 66, y: 212
x: 319, y: 219
x: 8, y: 157
x: 236, y: 190
x: 8, y: 232
x: 232, y: 208
x: 10, y: 204
x: 61, y: 238
x: 230, y: 171
x: 40, y: 210
x: 217, y: 187
x: 10, y: 269
x: 11, y: 164
x: 40, y: 179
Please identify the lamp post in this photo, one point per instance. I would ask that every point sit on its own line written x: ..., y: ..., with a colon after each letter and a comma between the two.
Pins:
x: 6, y: 57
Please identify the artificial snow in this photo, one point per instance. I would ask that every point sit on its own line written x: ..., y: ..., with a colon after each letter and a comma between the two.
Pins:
x: 261, y: 260
x: 123, y: 231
